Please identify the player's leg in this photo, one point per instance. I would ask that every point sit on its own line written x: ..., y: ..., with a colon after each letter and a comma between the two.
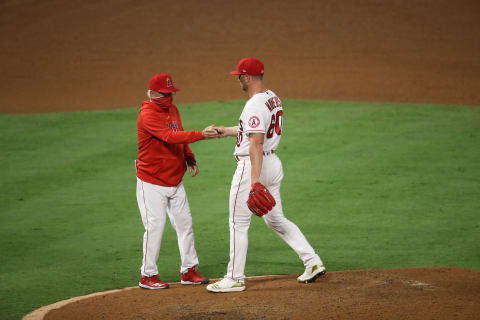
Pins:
x: 290, y: 233
x: 152, y: 202
x: 272, y: 175
x: 181, y: 220
x: 239, y: 221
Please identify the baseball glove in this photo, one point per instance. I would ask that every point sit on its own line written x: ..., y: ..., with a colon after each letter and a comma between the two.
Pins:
x: 260, y: 201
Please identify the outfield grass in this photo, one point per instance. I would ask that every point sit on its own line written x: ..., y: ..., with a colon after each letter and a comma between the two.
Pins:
x: 370, y: 185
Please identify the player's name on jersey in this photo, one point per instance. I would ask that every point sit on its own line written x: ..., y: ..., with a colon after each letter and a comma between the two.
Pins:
x: 273, y: 102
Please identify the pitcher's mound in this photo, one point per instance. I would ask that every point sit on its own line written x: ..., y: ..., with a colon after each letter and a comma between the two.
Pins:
x: 421, y: 293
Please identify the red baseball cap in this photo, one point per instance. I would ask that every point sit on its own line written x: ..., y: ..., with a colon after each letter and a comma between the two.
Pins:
x: 250, y: 66
x: 162, y: 82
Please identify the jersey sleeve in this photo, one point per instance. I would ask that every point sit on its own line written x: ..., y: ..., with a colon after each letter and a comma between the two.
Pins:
x: 189, y: 153
x: 153, y: 126
x: 256, y: 118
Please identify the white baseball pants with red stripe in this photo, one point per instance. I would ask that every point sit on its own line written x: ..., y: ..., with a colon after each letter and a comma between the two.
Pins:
x: 271, y: 176
x: 155, y: 203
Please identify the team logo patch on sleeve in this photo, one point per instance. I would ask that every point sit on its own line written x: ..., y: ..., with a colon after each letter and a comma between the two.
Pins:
x: 254, y: 122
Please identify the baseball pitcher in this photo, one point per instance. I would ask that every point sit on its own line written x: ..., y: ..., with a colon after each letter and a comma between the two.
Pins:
x: 256, y: 183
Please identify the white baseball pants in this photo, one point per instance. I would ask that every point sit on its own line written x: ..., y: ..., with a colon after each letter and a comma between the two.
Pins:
x: 155, y: 203
x: 271, y: 177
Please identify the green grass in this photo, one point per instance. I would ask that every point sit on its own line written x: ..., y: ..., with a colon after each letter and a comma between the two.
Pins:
x: 370, y: 185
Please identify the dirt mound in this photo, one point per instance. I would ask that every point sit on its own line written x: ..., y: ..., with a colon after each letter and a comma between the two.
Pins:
x: 420, y: 293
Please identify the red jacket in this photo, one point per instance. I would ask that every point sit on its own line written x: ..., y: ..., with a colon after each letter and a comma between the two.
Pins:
x: 162, y: 145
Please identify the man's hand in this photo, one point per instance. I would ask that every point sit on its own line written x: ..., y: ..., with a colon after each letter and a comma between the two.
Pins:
x: 222, y: 131
x: 192, y: 166
x: 210, y: 132
x: 193, y: 170
x: 226, y: 131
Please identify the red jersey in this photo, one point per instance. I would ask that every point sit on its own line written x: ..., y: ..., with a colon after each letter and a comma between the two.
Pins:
x: 163, y: 145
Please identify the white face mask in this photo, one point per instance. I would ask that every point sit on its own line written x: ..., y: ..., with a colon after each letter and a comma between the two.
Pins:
x: 156, y: 95
x: 153, y: 95
x: 159, y: 98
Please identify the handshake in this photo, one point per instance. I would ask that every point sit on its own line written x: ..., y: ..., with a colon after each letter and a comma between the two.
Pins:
x: 213, y: 131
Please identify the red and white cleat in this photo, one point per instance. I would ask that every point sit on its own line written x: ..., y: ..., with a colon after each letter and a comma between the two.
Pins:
x: 152, y: 282
x: 192, y: 277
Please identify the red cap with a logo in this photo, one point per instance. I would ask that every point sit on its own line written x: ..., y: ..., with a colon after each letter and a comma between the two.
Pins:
x: 162, y: 82
x: 250, y: 66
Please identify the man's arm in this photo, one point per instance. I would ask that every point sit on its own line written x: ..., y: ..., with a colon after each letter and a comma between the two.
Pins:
x: 226, y: 131
x: 152, y: 125
x: 188, y: 152
x: 260, y: 201
x: 256, y: 155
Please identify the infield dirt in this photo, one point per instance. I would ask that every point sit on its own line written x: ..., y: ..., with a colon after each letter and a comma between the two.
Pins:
x: 80, y: 55
x: 423, y: 293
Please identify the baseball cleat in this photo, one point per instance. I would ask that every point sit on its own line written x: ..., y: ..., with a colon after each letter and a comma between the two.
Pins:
x: 153, y: 283
x: 311, y: 274
x: 192, y: 277
x: 226, y: 285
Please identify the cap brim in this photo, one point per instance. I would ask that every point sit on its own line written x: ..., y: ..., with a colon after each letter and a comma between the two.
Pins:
x: 169, y: 90
x: 235, y: 72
